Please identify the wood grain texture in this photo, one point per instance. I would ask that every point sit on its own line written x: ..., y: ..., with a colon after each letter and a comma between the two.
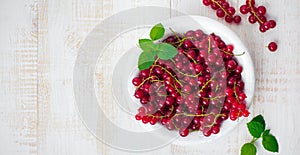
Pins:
x: 39, y: 43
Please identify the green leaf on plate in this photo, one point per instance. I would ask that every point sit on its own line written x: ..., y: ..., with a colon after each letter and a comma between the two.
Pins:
x: 248, y: 149
x: 146, y: 45
x: 255, y: 128
x: 146, y: 59
x: 270, y: 143
x: 166, y: 51
x: 157, y: 32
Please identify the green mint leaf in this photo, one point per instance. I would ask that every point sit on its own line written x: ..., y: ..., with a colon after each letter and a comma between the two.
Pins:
x: 260, y: 119
x: 270, y: 143
x: 146, y: 45
x: 146, y: 59
x: 166, y: 51
x: 248, y: 149
x: 157, y: 32
x: 266, y: 132
x: 255, y: 128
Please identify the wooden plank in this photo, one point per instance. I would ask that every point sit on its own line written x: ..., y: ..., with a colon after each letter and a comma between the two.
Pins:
x: 18, y: 94
x: 63, y: 27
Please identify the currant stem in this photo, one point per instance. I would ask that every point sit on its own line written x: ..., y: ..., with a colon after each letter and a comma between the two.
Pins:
x: 148, y: 78
x: 226, y: 52
x: 215, y: 120
x: 254, y: 13
x: 221, y: 7
x: 214, y: 98
x: 235, y: 94
x: 169, y: 74
x: 209, y: 48
x: 195, y: 62
x: 203, y: 87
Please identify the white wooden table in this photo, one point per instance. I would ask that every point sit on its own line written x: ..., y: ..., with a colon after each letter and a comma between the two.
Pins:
x: 38, y: 44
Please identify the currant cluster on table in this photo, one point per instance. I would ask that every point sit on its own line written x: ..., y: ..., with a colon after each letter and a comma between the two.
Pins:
x: 197, y: 90
x: 257, y: 15
x: 223, y: 9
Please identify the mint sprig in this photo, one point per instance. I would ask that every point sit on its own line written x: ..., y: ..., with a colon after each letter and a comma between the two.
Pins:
x: 256, y: 128
x: 150, y: 49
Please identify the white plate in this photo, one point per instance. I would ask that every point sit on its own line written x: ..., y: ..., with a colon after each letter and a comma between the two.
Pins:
x: 183, y: 24
x: 108, y: 108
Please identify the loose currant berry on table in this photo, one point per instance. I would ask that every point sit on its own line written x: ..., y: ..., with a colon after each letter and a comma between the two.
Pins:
x: 272, y: 46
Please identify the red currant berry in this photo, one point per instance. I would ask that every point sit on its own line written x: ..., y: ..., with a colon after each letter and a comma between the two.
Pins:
x: 272, y: 23
x: 244, y: 9
x: 229, y: 48
x: 207, y: 133
x: 261, y: 10
x: 153, y: 121
x: 225, y: 5
x: 206, y: 2
x: 214, y: 6
x: 220, y: 13
x: 228, y: 19
x: 250, y: 2
x: 215, y: 129
x: 239, y: 70
x: 231, y: 64
x: 241, y: 106
x: 145, y: 119
x: 233, y: 116
x: 242, y: 96
x: 262, y: 28
x: 252, y: 19
x: 245, y: 113
x: 266, y: 25
x: 139, y: 94
x: 262, y: 18
x: 187, y: 44
x: 237, y: 19
x: 136, y: 81
x: 184, y: 132
x: 272, y: 46
x: 231, y: 11
x: 138, y: 117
